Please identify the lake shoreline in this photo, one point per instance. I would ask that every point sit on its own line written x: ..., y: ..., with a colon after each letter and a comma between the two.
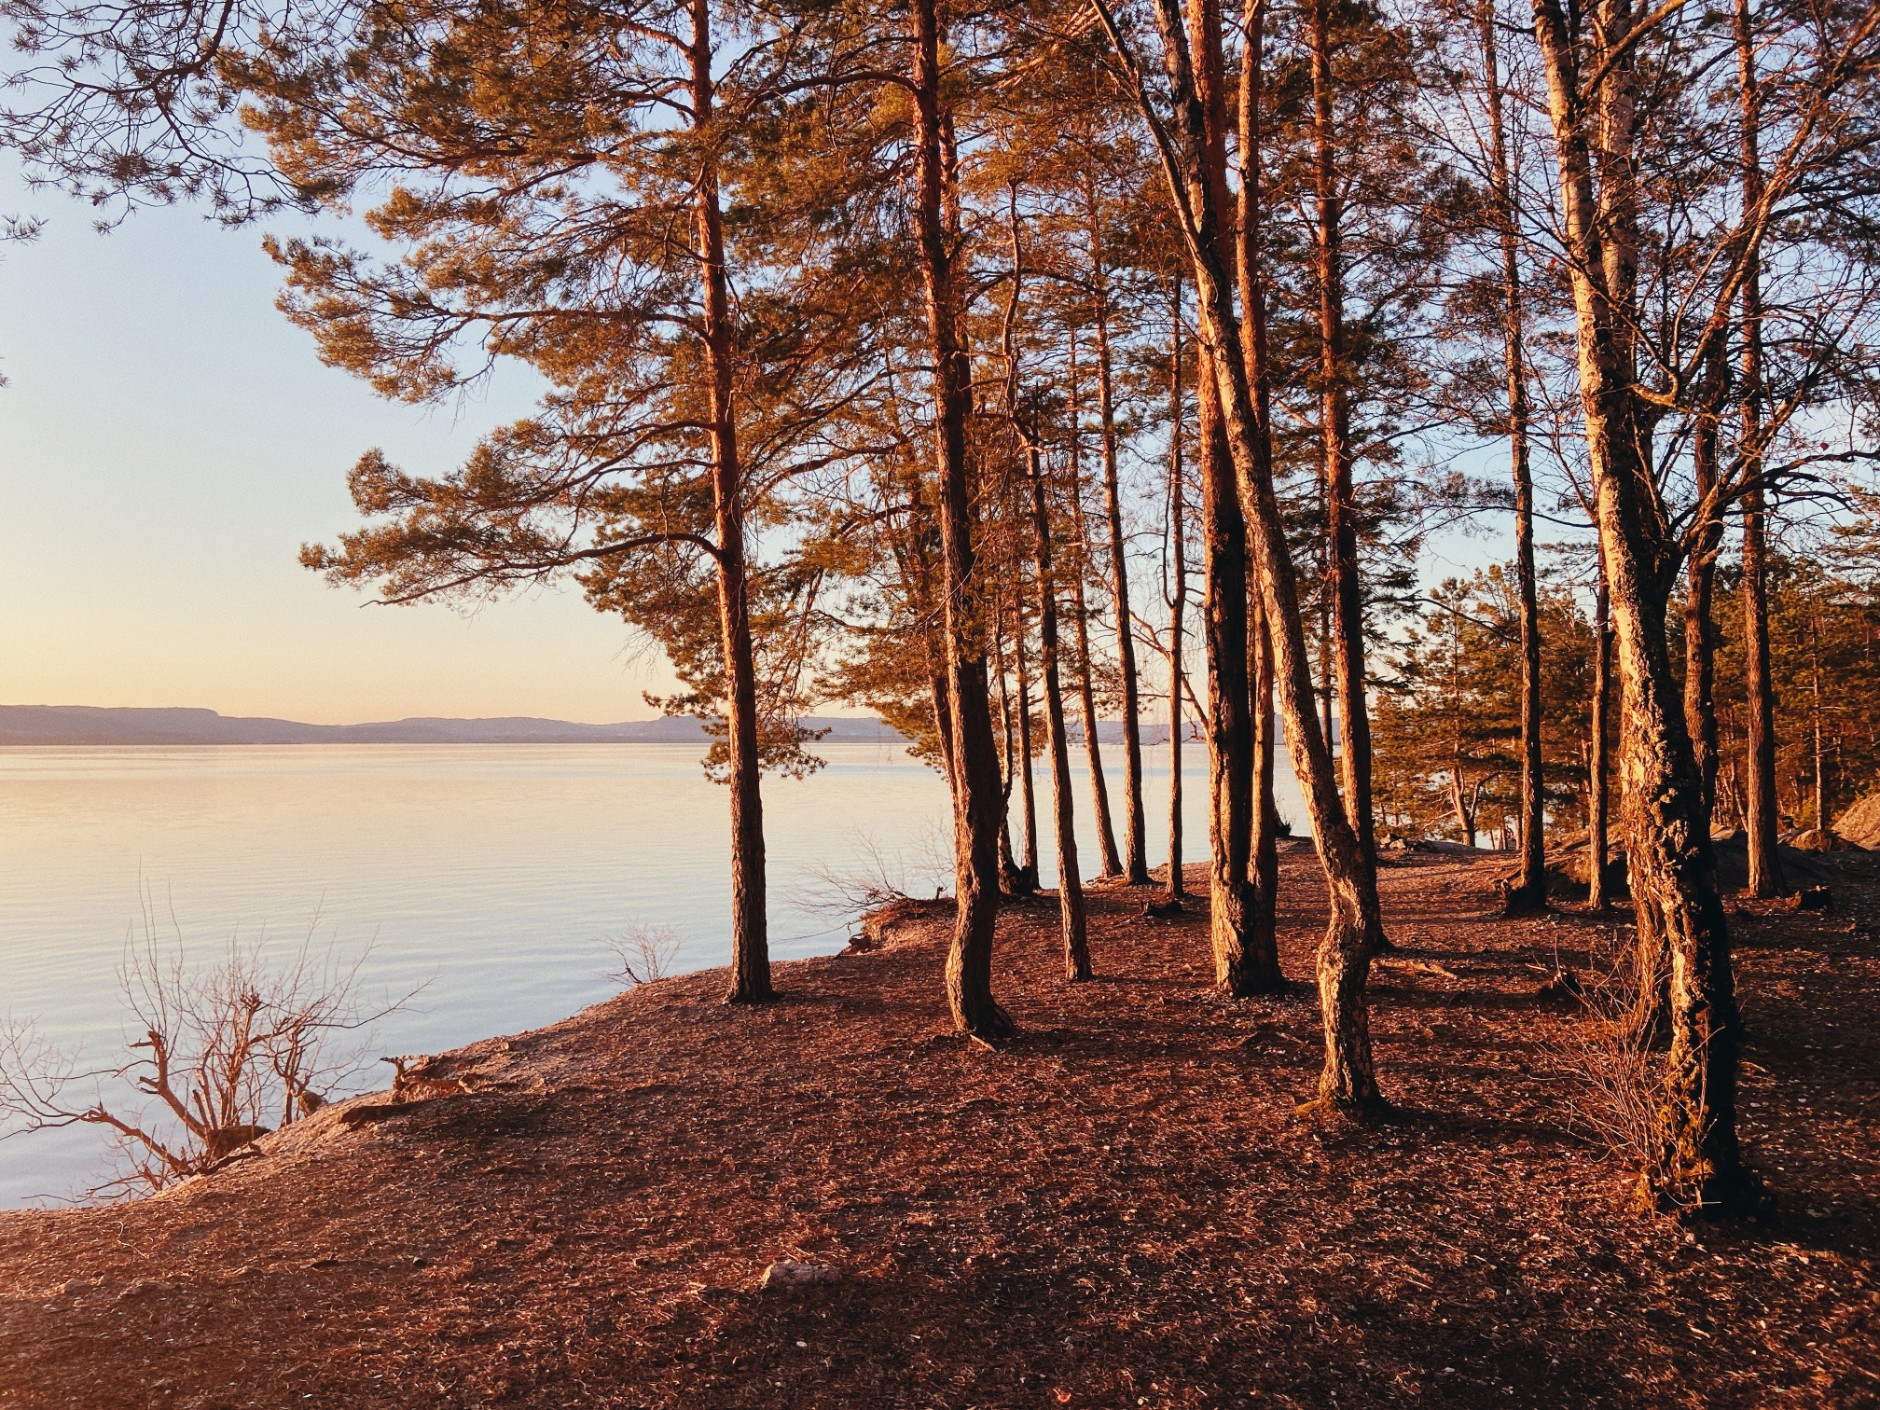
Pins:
x: 1120, y: 1204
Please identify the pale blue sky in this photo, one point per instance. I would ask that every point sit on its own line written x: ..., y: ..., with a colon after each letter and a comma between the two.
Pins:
x: 168, y: 441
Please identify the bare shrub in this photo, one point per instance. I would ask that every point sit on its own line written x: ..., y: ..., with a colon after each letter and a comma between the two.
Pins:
x: 221, y: 1053
x: 874, y: 879
x: 643, y: 954
x: 1615, y: 1076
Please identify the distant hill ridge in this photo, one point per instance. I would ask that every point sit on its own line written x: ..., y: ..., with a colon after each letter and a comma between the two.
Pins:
x: 95, y: 725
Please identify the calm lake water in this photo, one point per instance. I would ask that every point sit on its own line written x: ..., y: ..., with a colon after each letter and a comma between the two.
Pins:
x: 493, y: 875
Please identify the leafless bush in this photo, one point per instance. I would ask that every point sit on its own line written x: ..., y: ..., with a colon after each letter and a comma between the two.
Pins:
x: 643, y: 954
x: 872, y: 880
x: 1615, y: 1076
x: 220, y: 1053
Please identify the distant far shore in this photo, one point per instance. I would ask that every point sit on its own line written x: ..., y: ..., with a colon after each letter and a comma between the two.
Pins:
x: 82, y: 726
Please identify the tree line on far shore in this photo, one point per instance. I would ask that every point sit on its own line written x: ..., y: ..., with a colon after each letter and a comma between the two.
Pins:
x: 1011, y: 367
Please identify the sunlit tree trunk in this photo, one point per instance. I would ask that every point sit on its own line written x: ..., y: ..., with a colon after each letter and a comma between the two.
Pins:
x: 1696, y: 1160
x: 1239, y: 966
x: 976, y: 807
x: 750, y: 943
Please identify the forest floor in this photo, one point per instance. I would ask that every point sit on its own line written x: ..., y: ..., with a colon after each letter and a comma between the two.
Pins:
x: 1121, y: 1208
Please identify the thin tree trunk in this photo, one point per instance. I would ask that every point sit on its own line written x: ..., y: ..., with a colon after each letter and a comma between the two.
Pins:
x: 1762, y: 818
x: 1028, y: 793
x: 1070, y: 884
x: 1011, y: 875
x: 1529, y: 892
x: 1178, y: 601
x: 1135, y: 827
x: 750, y: 944
x: 1263, y: 848
x: 976, y: 808
x: 1086, y: 689
x: 1599, y: 768
x: 1347, y: 588
x: 1697, y: 1161
x: 1700, y: 628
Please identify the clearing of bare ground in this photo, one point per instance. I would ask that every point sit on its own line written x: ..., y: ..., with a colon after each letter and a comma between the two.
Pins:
x: 1121, y: 1208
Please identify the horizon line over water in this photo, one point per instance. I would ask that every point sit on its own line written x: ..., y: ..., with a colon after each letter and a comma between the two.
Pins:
x: 497, y: 872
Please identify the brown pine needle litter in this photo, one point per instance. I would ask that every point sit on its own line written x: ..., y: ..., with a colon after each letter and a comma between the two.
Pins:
x: 1118, y: 1208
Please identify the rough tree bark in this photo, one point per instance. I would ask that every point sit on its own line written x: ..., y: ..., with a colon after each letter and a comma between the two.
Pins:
x: 1696, y: 1162
x: 750, y: 942
x: 1240, y: 965
x: 976, y: 805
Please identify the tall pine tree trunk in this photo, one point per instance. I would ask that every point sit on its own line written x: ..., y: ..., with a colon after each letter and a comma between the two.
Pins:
x: 750, y: 943
x: 1263, y: 848
x: 1346, y: 585
x: 976, y: 804
x: 1696, y: 1160
x: 1178, y: 600
x: 1529, y: 891
x: 1240, y: 967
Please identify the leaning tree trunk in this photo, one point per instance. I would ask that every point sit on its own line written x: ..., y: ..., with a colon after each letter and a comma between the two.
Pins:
x: 1761, y: 818
x: 1070, y: 884
x: 976, y: 805
x: 1135, y: 826
x: 750, y: 942
x: 1695, y: 1162
x: 1348, y: 1080
x: 1529, y: 891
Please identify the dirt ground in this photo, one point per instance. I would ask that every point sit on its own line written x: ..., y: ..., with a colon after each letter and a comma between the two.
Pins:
x: 1120, y: 1209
